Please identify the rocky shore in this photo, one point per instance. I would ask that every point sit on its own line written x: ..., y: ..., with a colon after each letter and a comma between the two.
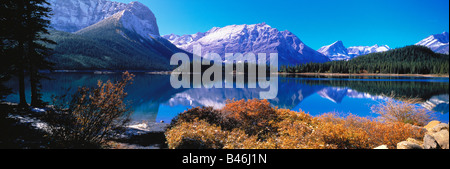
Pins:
x: 25, y: 129
x: 17, y: 127
x: 436, y: 137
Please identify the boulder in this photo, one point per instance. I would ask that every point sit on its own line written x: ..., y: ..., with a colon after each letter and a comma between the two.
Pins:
x: 439, y: 127
x: 429, y: 142
x: 441, y: 138
x: 418, y: 142
x: 382, y: 147
x: 408, y: 145
x: 431, y: 124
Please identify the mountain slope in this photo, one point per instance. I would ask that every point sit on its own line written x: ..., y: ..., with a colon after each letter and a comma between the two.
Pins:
x: 337, y: 51
x: 439, y: 43
x: 128, y: 40
x: 258, y: 38
x: 74, y: 15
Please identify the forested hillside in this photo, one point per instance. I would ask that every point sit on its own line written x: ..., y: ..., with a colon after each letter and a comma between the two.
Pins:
x: 407, y: 60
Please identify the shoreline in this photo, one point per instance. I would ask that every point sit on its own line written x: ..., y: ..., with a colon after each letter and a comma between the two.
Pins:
x: 279, y: 73
x: 366, y: 74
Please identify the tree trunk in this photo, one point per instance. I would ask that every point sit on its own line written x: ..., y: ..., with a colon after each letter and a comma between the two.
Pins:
x: 21, y: 76
x: 35, y: 101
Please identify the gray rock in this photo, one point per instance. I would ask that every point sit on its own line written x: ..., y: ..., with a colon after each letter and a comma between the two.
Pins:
x: 429, y: 142
x: 408, y: 145
x: 441, y: 138
x: 74, y: 15
x: 439, y: 127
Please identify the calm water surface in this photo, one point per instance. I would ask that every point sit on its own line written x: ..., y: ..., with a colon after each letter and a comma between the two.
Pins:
x: 153, y: 98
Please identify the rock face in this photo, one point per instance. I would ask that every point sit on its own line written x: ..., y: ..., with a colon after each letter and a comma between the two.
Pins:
x: 439, y: 43
x: 408, y: 145
x: 109, y: 35
x: 74, y: 15
x: 257, y: 38
x: 437, y: 136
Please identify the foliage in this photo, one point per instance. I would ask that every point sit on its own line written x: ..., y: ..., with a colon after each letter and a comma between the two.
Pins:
x: 195, y: 135
x: 297, y: 130
x: 92, y: 115
x: 109, y: 48
x: 207, y: 114
x: 255, y: 117
x: 23, y: 24
x: 407, y: 60
x: 256, y: 125
x: 358, y: 132
x: 238, y: 139
x: 404, y: 111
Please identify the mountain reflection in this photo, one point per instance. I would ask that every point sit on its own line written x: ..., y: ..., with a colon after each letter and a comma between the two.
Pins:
x: 153, y: 98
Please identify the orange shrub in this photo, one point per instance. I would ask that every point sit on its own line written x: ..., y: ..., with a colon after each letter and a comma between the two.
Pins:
x: 207, y: 114
x: 237, y: 139
x: 92, y: 116
x: 254, y: 124
x: 195, y: 135
x: 297, y: 130
x: 359, y: 132
x: 255, y: 116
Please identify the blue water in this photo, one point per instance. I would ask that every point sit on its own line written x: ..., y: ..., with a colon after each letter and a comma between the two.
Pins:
x: 153, y: 99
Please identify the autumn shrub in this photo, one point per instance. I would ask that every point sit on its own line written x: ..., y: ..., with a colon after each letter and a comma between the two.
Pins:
x: 297, y: 130
x: 207, y: 114
x: 92, y: 115
x: 342, y: 133
x: 255, y: 117
x: 256, y: 125
x: 403, y: 110
x: 363, y: 133
x: 238, y: 139
x: 195, y: 135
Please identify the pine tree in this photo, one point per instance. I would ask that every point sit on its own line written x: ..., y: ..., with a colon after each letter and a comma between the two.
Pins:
x: 27, y: 23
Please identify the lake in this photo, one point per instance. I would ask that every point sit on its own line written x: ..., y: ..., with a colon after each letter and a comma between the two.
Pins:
x: 153, y: 99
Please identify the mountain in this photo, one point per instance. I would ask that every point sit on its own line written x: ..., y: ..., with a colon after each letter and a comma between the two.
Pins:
x: 364, y: 50
x: 74, y: 15
x: 257, y: 38
x: 337, y: 51
x: 128, y: 39
x: 438, y: 43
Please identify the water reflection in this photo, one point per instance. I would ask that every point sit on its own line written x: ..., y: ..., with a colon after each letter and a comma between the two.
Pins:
x: 153, y: 98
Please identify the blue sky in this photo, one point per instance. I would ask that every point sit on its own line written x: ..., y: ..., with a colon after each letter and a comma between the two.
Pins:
x: 317, y: 23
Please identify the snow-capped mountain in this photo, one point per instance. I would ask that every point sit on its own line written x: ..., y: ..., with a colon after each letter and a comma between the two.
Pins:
x: 438, y: 43
x: 128, y: 39
x: 74, y: 15
x: 364, y: 50
x: 337, y: 51
x: 257, y: 38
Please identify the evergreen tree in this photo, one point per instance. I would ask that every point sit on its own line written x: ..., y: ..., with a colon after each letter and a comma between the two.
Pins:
x: 26, y: 24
